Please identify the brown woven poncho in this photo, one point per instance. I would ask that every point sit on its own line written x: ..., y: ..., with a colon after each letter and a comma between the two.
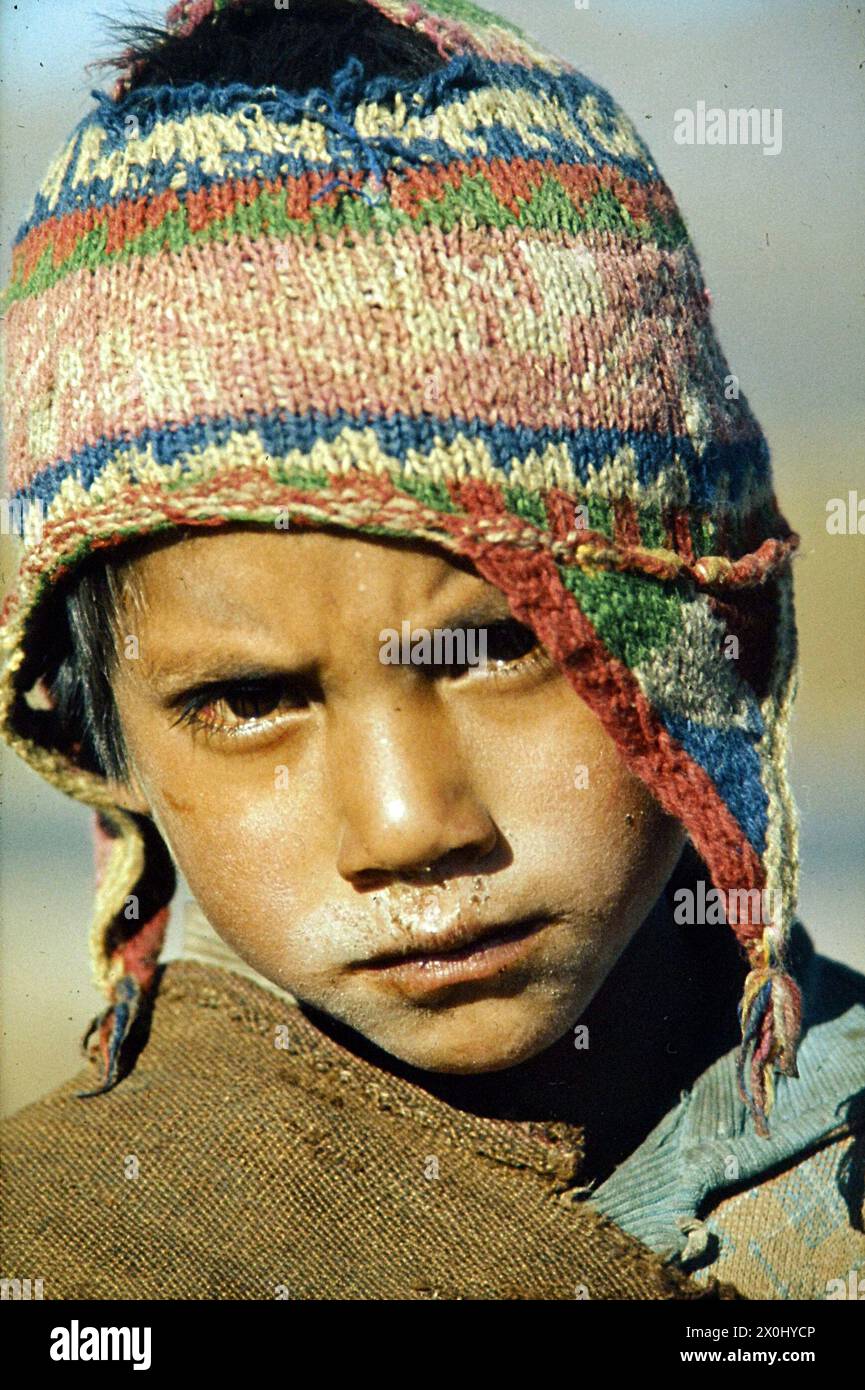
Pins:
x: 250, y: 1156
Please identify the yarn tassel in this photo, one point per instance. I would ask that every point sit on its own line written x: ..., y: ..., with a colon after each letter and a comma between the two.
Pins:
x: 770, y: 1015
x: 129, y: 970
x: 112, y: 1028
x: 139, y: 959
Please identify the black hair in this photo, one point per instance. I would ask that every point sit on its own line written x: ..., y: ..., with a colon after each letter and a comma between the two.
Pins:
x: 81, y: 688
x: 258, y: 44
x: 77, y: 638
x: 296, y: 47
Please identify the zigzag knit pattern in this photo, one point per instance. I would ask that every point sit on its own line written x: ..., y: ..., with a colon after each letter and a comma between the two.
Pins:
x: 463, y: 309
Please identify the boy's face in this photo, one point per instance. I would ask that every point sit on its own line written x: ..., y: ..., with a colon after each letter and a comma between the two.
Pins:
x: 304, y: 786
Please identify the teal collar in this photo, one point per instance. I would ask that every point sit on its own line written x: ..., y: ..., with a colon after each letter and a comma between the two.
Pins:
x: 706, y: 1145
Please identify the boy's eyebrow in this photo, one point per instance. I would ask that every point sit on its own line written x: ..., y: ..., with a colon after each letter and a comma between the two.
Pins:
x: 490, y: 609
x: 172, y: 678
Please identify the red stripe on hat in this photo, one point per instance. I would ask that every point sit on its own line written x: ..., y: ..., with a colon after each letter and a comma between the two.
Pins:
x: 538, y: 597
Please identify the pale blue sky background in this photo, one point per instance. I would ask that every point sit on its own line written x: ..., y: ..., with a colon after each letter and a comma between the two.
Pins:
x: 781, y: 243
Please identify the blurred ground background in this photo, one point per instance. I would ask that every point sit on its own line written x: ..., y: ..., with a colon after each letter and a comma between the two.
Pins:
x: 781, y: 243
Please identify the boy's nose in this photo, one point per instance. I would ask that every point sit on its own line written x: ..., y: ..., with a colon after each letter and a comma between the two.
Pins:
x: 406, y: 800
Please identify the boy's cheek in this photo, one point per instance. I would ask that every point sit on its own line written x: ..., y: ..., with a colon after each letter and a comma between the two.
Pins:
x: 586, y: 842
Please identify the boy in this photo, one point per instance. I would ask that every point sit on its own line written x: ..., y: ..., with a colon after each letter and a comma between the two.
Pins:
x: 339, y: 337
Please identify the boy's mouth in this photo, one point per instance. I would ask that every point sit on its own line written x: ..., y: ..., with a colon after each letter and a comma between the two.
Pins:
x: 458, y: 955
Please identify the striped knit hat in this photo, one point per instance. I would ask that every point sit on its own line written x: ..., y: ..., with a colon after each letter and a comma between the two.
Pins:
x: 463, y: 309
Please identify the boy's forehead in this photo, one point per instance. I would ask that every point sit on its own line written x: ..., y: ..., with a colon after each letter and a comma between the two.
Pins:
x: 233, y: 572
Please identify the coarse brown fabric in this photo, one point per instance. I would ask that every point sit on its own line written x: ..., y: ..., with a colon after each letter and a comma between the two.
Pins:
x: 250, y: 1156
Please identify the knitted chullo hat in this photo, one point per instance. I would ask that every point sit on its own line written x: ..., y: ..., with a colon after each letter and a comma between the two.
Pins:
x: 463, y: 309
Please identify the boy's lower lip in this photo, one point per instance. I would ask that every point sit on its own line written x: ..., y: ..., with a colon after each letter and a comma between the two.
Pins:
x: 478, y: 961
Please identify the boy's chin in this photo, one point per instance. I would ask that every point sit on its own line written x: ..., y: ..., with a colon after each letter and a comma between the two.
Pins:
x: 473, y: 1040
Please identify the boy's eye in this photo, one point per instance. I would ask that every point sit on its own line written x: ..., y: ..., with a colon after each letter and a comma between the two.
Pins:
x: 511, y: 646
x: 251, y: 704
x: 509, y: 640
x: 234, y: 705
